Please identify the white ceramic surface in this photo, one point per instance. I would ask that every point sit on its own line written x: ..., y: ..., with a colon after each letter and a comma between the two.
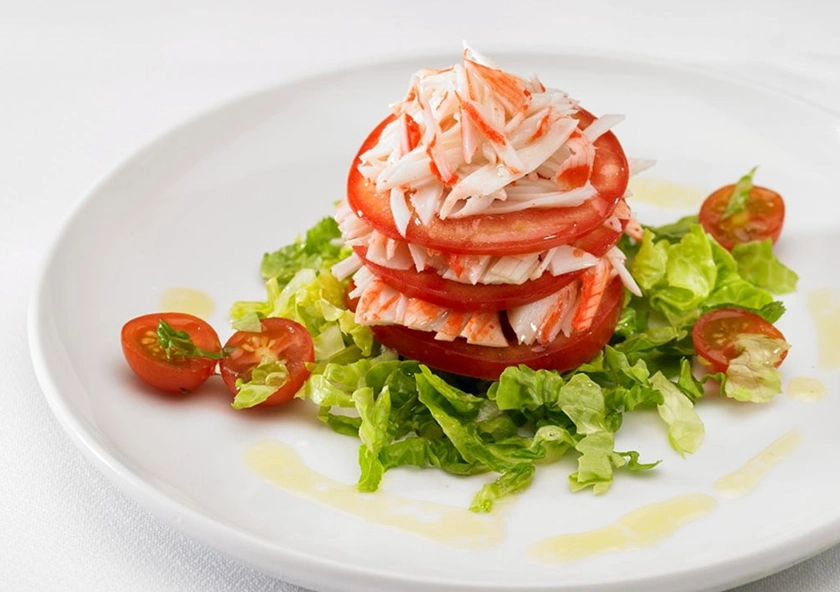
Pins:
x: 199, y: 207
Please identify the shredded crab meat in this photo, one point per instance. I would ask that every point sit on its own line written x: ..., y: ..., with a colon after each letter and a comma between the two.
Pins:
x: 592, y: 285
x: 601, y: 126
x: 474, y: 140
x: 638, y: 165
x: 464, y: 135
x: 617, y: 259
x: 467, y: 269
x: 633, y: 229
x: 542, y: 321
x: 380, y: 304
x: 346, y: 267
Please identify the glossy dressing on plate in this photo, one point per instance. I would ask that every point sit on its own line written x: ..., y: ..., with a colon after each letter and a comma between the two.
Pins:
x: 188, y: 300
x: 279, y: 464
x: 744, y: 480
x: 643, y: 527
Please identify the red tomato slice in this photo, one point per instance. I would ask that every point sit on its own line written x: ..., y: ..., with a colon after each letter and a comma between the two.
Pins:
x: 429, y: 286
x: 762, y: 217
x: 715, y: 332
x: 600, y: 240
x: 280, y: 339
x: 501, y: 234
x: 479, y: 361
x: 148, y: 360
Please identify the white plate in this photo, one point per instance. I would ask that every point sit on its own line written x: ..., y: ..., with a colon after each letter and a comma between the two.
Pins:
x: 200, y: 206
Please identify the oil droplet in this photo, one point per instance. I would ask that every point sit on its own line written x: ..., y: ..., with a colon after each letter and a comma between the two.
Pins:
x: 189, y: 300
x: 743, y: 481
x: 279, y: 464
x: 640, y: 528
x: 804, y: 388
x: 824, y: 305
x: 665, y: 194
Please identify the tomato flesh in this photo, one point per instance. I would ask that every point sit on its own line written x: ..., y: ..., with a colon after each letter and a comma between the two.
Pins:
x: 714, y: 335
x: 279, y: 339
x: 762, y: 217
x: 500, y: 234
x: 460, y: 357
x: 148, y: 360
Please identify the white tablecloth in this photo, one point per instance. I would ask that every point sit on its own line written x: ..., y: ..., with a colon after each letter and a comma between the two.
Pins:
x: 84, y: 84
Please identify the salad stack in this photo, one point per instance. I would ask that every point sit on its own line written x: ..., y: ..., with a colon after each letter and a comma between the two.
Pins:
x: 480, y: 231
x: 484, y: 214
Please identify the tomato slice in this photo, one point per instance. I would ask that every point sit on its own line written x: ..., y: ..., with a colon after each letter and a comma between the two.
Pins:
x: 714, y: 334
x: 501, y: 234
x: 460, y: 357
x: 429, y: 286
x: 762, y: 217
x: 279, y: 340
x: 148, y: 360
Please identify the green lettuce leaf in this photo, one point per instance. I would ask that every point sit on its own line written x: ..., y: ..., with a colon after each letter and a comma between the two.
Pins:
x: 513, y: 481
x: 315, y: 299
x: 266, y: 378
x: 685, y: 428
x: 752, y: 375
x: 759, y: 265
x: 650, y: 263
x: 374, y: 411
x: 319, y: 249
x: 740, y: 194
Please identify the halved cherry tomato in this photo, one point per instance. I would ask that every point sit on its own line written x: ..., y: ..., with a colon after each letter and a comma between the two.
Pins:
x: 714, y: 335
x: 147, y: 358
x: 279, y: 339
x: 460, y: 357
x: 761, y: 218
x: 501, y: 234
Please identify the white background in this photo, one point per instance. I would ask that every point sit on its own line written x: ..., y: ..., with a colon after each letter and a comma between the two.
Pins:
x: 83, y: 85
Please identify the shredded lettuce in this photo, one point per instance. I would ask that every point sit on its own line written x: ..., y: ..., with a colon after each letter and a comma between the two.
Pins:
x: 752, y: 375
x: 740, y: 193
x: 266, y: 378
x: 319, y: 249
x: 300, y: 286
x: 758, y: 264
x: 406, y: 414
x: 685, y: 428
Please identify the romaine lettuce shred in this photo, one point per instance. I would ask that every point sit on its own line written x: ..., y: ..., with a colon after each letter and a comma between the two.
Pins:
x: 406, y: 414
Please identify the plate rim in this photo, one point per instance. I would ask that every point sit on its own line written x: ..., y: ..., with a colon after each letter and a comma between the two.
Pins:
x: 295, y: 565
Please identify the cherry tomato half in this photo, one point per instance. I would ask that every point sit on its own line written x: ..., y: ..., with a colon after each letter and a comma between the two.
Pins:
x: 460, y: 357
x: 714, y: 334
x: 148, y: 360
x: 761, y: 218
x: 501, y: 234
x: 279, y: 339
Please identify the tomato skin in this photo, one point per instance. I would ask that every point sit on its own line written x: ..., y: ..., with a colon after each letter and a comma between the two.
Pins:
x: 762, y: 217
x: 478, y: 361
x: 280, y: 338
x: 714, y: 335
x: 148, y: 360
x: 501, y: 234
